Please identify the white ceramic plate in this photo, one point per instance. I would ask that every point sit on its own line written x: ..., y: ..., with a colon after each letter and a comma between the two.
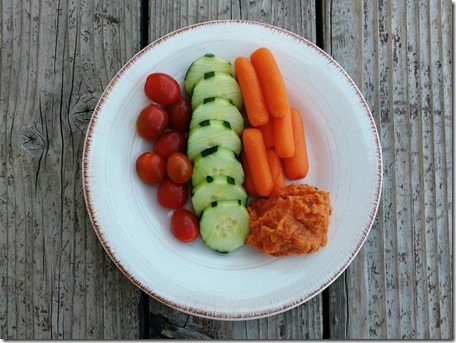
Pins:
x: 344, y: 156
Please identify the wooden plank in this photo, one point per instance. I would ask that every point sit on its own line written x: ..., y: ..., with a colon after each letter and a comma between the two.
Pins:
x: 56, y: 280
x: 399, y: 54
x: 296, y: 16
x: 306, y: 320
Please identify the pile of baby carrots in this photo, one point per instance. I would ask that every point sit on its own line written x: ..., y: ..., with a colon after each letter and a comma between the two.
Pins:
x: 274, y: 147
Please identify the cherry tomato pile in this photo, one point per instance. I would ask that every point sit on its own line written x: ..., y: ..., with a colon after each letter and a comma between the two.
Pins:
x: 166, y: 121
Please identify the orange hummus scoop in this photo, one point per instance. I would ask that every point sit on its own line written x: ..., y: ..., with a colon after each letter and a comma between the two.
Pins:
x: 295, y: 221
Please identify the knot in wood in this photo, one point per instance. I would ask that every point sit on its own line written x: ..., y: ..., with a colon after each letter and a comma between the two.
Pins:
x: 31, y: 140
x: 83, y: 110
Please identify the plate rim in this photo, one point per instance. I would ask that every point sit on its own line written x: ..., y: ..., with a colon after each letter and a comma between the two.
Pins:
x: 194, y: 310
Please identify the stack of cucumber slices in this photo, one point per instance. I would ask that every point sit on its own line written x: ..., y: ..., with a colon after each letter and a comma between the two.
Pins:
x: 213, y: 146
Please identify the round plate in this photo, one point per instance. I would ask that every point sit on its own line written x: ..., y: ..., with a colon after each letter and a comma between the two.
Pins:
x: 344, y: 158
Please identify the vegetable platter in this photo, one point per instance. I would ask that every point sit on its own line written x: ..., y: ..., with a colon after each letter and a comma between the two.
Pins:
x: 343, y: 151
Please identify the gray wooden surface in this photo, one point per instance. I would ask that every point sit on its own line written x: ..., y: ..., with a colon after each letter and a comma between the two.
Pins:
x: 56, y: 281
x: 400, y: 55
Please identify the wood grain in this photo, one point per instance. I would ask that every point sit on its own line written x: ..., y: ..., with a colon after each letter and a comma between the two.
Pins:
x: 400, y: 55
x: 56, y: 280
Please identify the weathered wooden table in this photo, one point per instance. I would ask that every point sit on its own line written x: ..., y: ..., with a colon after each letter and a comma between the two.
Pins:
x: 57, y: 282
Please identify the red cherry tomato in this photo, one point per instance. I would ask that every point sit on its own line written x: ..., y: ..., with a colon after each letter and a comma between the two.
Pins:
x: 184, y: 225
x: 162, y: 88
x: 152, y: 121
x: 179, y: 167
x: 170, y: 142
x: 150, y: 167
x: 180, y: 113
x: 171, y: 194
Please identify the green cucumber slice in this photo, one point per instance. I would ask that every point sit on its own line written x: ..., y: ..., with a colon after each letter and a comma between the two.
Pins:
x: 210, y: 133
x: 224, y: 225
x: 216, y: 188
x: 217, y: 161
x: 217, y: 84
x: 219, y: 109
x: 208, y: 62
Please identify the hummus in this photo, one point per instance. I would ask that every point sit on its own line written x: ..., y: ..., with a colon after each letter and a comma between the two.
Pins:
x: 295, y: 221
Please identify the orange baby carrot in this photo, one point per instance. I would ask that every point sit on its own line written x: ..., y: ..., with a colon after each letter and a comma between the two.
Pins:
x: 255, y: 151
x: 268, y: 134
x: 283, y: 135
x: 278, y: 175
x: 271, y: 81
x: 248, y: 180
x: 254, y: 102
x: 296, y: 167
